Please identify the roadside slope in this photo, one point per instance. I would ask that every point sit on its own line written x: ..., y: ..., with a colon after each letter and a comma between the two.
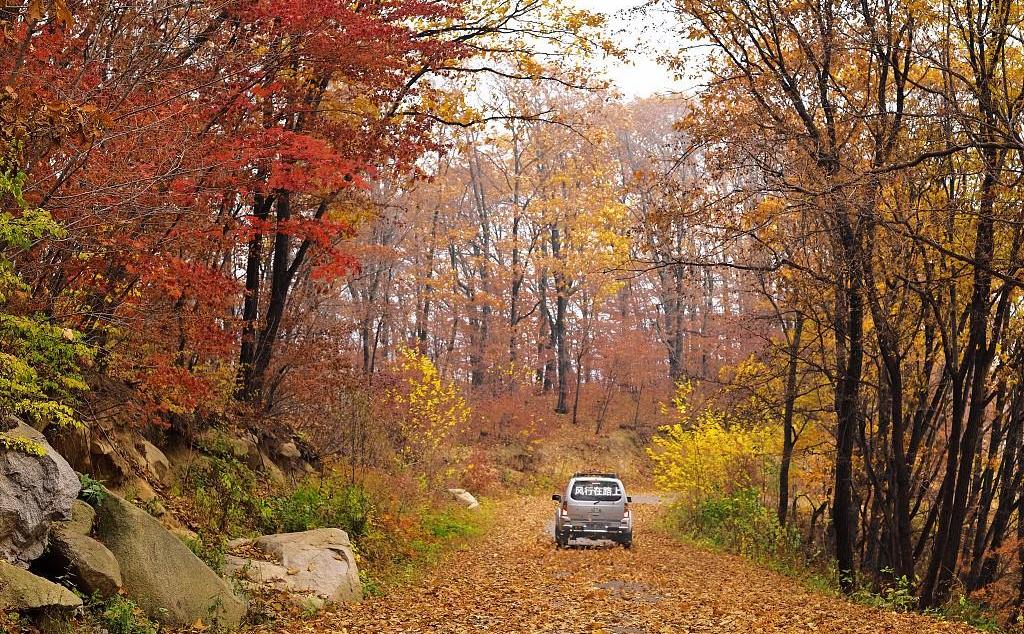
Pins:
x: 513, y: 580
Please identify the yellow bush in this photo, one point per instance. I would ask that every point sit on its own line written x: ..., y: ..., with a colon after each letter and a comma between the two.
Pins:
x: 702, y: 457
x: 431, y: 410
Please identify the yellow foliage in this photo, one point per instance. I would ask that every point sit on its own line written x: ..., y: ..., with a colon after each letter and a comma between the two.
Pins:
x: 432, y: 410
x: 702, y: 457
x: 21, y: 445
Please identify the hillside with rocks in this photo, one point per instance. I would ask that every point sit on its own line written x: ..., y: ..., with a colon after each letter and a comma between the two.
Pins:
x: 86, y: 553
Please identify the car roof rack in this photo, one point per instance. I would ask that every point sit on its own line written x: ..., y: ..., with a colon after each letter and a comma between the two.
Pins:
x: 594, y: 474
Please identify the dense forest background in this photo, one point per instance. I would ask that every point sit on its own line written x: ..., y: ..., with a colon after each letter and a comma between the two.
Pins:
x: 423, y: 242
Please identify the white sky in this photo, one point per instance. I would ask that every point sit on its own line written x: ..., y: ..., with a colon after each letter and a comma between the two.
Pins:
x: 645, y: 33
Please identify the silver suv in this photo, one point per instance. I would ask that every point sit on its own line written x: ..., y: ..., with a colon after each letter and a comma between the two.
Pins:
x: 595, y: 506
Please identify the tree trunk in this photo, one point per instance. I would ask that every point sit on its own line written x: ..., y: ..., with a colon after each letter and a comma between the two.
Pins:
x: 1011, y: 474
x: 788, y: 431
x: 975, y: 366
x: 558, y: 326
x: 850, y: 359
x: 251, y: 304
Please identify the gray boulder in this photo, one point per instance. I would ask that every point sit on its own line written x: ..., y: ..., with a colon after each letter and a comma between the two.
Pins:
x: 273, y: 472
x: 82, y: 518
x: 89, y: 565
x: 34, y: 491
x: 247, y: 451
x: 318, y: 564
x: 72, y: 554
x: 156, y: 462
x: 22, y: 591
x: 289, y: 451
x: 112, y: 463
x: 160, y: 573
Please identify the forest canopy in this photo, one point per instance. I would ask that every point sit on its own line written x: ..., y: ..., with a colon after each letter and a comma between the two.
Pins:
x: 416, y: 234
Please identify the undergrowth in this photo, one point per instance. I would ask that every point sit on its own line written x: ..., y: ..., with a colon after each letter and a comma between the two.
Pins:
x: 92, y: 492
x: 739, y: 523
x: 212, y: 551
x: 424, y: 541
x: 120, y: 615
x: 963, y: 608
x: 321, y: 503
x: 397, y: 527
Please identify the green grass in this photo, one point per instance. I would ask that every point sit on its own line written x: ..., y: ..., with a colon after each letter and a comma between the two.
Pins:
x: 968, y: 611
x: 440, y: 533
x: 321, y: 503
x: 449, y: 525
x: 212, y: 551
x: 120, y: 615
x: 740, y: 524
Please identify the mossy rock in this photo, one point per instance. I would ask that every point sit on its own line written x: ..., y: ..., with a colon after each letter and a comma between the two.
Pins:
x: 22, y: 591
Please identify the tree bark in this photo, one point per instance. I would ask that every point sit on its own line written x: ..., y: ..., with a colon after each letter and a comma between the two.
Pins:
x: 788, y: 431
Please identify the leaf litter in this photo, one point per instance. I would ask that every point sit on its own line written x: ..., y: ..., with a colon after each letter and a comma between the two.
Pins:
x: 513, y: 580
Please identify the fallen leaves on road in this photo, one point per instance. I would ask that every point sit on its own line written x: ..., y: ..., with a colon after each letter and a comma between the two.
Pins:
x: 514, y: 581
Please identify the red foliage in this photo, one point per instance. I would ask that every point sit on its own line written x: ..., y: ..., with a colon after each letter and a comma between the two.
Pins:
x: 152, y: 132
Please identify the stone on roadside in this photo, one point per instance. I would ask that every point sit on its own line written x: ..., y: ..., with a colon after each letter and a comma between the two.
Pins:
x: 112, y: 463
x: 274, y: 472
x: 89, y: 565
x: 465, y: 498
x: 247, y: 452
x: 156, y: 462
x: 313, y: 564
x: 137, y: 489
x: 289, y: 451
x: 82, y: 518
x: 238, y: 542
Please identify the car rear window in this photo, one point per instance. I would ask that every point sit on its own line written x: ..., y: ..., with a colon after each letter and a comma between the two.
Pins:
x: 596, y: 491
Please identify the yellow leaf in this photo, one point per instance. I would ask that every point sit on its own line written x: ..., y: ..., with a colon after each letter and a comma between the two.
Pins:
x: 34, y: 13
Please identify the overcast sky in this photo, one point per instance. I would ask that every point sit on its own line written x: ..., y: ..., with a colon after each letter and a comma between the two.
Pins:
x: 647, y: 33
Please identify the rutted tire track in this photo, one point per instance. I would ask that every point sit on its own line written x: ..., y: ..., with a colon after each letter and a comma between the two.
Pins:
x: 513, y: 580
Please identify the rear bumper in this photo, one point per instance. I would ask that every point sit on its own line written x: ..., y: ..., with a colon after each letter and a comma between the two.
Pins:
x: 596, y: 531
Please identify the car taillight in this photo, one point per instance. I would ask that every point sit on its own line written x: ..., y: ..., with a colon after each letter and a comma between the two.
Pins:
x: 625, y: 513
x: 565, y: 509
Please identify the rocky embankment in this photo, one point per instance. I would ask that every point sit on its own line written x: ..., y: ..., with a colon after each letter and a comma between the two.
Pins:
x: 59, y: 544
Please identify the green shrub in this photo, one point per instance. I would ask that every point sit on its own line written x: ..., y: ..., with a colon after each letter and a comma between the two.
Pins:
x: 321, y: 503
x: 963, y: 608
x: 371, y: 587
x: 224, y: 491
x: 213, y: 552
x: 120, y: 615
x: 739, y: 523
x: 92, y: 492
x: 898, y: 596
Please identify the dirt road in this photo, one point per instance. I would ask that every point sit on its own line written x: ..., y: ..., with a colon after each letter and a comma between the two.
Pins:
x: 513, y: 580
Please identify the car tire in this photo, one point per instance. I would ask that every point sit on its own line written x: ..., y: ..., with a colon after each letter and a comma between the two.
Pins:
x: 561, y: 540
x: 627, y: 542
